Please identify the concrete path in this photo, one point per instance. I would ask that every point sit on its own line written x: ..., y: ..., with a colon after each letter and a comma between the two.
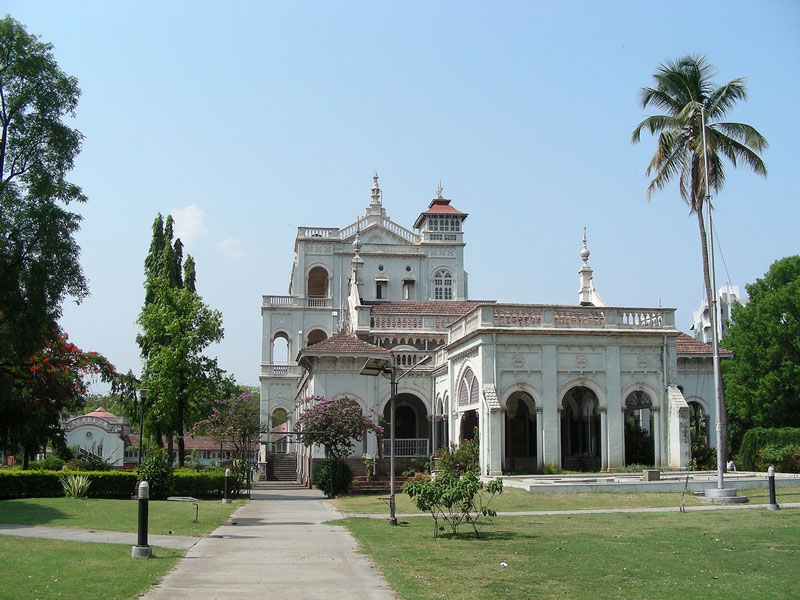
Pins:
x: 177, y: 542
x: 276, y: 547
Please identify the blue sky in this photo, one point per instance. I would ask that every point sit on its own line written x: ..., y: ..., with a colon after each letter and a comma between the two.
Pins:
x: 248, y: 119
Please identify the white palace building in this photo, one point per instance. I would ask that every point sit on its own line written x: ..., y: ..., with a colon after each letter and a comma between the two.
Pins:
x: 540, y: 384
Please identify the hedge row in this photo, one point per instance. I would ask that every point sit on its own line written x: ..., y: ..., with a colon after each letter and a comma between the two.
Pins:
x: 105, y: 484
x: 762, y: 447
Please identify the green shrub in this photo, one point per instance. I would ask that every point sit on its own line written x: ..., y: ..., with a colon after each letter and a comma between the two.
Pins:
x: 75, y: 486
x: 455, y: 500
x: 204, y: 484
x: 342, y: 476
x: 457, y: 460
x: 30, y: 484
x: 762, y: 446
x: 49, y: 463
x: 156, y: 470
x: 112, y: 484
x: 704, y: 458
x: 785, y: 459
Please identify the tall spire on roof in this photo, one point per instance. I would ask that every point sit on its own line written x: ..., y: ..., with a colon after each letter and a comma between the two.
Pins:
x: 376, y: 190
x: 587, y: 295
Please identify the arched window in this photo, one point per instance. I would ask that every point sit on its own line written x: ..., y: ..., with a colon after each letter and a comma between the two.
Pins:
x: 318, y: 283
x: 442, y: 285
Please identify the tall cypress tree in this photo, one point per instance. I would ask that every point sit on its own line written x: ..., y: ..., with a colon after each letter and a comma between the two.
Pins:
x: 176, y: 327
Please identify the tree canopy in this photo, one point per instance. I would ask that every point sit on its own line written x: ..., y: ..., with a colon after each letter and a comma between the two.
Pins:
x: 39, y: 258
x: 176, y: 328
x: 334, y: 423
x: 762, y: 380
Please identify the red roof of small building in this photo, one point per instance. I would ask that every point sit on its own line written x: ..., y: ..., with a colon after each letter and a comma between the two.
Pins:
x: 439, y: 206
x: 344, y: 343
x: 102, y: 413
x: 686, y: 344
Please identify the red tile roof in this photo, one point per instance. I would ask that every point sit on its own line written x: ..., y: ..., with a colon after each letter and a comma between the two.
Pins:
x: 102, y: 413
x: 686, y: 344
x: 439, y: 206
x: 344, y: 343
x: 434, y: 307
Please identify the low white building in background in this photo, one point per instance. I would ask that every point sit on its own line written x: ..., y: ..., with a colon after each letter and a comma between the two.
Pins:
x: 539, y: 384
x: 99, y: 433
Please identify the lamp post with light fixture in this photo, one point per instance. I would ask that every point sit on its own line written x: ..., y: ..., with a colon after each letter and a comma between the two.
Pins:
x: 381, y: 366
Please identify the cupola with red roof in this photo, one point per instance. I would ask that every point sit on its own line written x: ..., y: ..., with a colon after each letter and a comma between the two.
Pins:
x: 441, y: 222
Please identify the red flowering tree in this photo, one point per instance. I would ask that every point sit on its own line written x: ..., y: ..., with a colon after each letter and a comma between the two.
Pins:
x: 50, y: 384
x: 334, y: 423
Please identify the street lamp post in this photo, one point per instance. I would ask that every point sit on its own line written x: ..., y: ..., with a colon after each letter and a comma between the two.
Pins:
x: 142, y: 400
x: 375, y: 367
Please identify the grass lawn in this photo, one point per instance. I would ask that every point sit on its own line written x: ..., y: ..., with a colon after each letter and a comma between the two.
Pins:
x: 45, y: 569
x: 117, y: 515
x: 718, y: 554
x: 516, y: 500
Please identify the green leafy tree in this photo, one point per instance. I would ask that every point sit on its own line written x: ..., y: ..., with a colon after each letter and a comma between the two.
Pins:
x: 334, y: 423
x: 684, y: 91
x: 762, y: 380
x: 177, y: 373
x: 39, y: 264
x: 235, y: 420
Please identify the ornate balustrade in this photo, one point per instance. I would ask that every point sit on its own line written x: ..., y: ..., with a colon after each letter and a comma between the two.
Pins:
x: 562, y: 317
x: 296, y: 301
x: 406, y: 447
x: 408, y: 358
x: 279, y: 370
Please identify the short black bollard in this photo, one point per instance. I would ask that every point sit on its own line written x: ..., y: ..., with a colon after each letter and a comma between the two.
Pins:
x: 225, y: 499
x: 142, y: 549
x: 773, y: 505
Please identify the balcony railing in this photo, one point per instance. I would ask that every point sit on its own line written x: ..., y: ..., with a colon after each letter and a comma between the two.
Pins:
x: 516, y: 316
x: 297, y: 301
x: 279, y: 370
x: 407, y: 447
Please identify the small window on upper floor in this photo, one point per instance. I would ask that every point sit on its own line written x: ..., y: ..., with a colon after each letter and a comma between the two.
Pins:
x: 380, y: 290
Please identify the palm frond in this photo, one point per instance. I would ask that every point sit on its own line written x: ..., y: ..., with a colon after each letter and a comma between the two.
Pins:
x: 655, y: 124
x: 741, y: 132
x: 722, y: 99
x: 735, y: 151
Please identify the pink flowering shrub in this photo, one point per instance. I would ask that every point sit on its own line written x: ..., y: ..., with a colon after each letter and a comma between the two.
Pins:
x: 334, y: 423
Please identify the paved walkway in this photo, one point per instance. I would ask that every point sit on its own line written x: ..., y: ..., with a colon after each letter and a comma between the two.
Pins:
x: 276, y: 546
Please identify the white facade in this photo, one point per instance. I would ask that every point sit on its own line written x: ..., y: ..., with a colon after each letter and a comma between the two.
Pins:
x: 99, y: 433
x: 727, y: 296
x: 543, y: 384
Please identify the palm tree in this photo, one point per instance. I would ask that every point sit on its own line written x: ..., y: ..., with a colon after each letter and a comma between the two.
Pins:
x: 684, y: 90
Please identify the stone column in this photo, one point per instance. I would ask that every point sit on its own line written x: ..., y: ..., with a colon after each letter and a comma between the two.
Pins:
x: 656, y: 435
x: 603, y: 439
x: 616, y: 418
x: 539, y: 438
x: 551, y: 425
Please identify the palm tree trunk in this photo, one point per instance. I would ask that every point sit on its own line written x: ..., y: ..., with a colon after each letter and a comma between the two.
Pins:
x: 723, y: 412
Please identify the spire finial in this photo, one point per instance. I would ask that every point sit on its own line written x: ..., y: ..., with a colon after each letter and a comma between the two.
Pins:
x: 376, y: 190
x: 439, y: 190
x: 585, y: 250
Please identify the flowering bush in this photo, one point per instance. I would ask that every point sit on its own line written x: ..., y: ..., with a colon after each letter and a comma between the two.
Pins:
x: 334, y: 423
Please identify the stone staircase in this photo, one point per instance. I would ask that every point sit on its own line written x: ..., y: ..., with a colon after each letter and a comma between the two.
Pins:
x: 282, y: 467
